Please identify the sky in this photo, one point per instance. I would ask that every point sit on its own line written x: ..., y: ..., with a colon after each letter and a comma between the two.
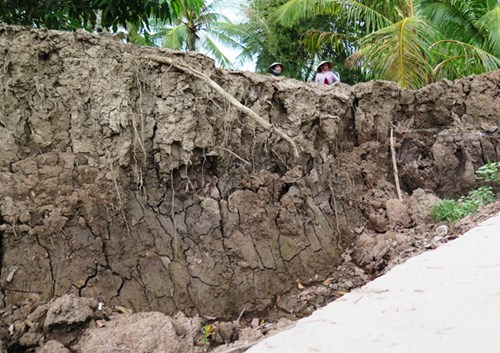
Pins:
x: 232, y: 9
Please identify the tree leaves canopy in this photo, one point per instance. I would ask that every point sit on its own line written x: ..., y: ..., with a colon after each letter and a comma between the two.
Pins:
x: 410, y: 42
x: 71, y: 14
x: 399, y: 52
x: 201, y: 30
x: 267, y: 40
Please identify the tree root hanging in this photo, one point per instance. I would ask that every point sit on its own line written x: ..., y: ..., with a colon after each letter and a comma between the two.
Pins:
x: 259, y: 120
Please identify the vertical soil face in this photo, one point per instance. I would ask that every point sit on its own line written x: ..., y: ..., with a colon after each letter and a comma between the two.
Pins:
x: 131, y: 181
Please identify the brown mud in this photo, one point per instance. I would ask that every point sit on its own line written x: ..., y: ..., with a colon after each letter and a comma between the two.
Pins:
x: 136, y: 184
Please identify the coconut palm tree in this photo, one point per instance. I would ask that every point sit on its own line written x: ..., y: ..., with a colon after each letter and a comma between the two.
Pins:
x: 195, y: 30
x: 400, y: 41
x: 470, y: 33
x: 266, y: 41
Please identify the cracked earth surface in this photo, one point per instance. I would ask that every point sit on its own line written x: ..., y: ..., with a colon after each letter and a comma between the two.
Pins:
x: 130, y: 182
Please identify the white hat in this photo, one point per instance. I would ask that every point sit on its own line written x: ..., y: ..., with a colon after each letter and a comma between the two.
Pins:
x: 275, y: 64
x: 330, y: 64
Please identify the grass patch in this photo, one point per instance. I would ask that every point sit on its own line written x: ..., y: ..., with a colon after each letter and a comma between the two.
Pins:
x: 452, y: 211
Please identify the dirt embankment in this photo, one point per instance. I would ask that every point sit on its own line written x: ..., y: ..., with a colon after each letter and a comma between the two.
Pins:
x: 129, y: 181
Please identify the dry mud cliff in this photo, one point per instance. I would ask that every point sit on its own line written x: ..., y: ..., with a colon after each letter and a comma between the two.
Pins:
x: 130, y: 181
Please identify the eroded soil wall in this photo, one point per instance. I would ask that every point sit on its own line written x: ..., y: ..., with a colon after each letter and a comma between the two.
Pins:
x: 128, y: 180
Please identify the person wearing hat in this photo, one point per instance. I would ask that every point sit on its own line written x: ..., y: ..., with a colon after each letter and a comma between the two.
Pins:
x: 324, y: 73
x: 275, y: 69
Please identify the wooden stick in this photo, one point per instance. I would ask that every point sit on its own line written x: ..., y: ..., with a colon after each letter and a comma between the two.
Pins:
x: 395, y: 166
x: 239, y: 317
x: 228, y: 97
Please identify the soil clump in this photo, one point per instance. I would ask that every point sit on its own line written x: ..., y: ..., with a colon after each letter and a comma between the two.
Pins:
x: 135, y: 197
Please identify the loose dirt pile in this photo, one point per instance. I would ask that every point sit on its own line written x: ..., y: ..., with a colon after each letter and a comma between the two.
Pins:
x: 131, y: 182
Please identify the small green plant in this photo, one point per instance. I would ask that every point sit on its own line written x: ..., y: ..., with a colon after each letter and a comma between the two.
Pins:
x: 208, y: 331
x: 467, y: 206
x: 446, y: 210
x: 490, y: 172
x: 483, y: 195
x: 451, y: 210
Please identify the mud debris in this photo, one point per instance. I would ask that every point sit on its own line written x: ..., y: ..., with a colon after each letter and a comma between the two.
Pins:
x: 128, y: 183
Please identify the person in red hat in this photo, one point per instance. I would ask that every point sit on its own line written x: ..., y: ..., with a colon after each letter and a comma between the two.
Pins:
x: 324, y: 73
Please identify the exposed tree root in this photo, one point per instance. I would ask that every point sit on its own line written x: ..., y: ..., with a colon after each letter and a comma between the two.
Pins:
x: 259, y: 120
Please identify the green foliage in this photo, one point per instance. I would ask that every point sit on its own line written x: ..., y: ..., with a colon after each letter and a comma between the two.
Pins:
x: 490, y: 172
x: 399, y: 52
x: 266, y: 41
x: 475, y: 22
x: 72, y: 14
x: 410, y: 42
x: 483, y: 195
x: 140, y: 36
x: 208, y: 331
x: 299, y: 46
x: 447, y: 210
x: 455, y: 59
x: 451, y: 210
x: 470, y: 36
x: 198, y: 28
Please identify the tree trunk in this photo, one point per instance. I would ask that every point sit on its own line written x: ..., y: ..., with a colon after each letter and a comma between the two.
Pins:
x: 191, y: 38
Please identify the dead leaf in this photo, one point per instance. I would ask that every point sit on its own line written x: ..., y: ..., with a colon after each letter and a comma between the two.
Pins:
x: 339, y: 292
x: 327, y: 281
x: 209, y: 330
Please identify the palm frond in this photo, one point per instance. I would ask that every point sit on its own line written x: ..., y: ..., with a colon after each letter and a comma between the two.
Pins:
x: 176, y: 37
x: 372, y: 15
x: 461, y: 59
x: 211, y: 48
x: 490, y: 24
x: 354, y: 60
x: 398, y: 52
x: 454, y: 19
x: 223, y: 32
x: 437, y: 70
x: 294, y: 10
x: 491, y: 4
x: 314, y: 39
x: 256, y: 22
x: 208, y: 18
x: 357, y: 12
x: 214, y: 5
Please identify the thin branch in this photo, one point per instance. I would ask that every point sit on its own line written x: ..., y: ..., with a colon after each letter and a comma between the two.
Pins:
x: 395, y: 166
x: 228, y: 97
